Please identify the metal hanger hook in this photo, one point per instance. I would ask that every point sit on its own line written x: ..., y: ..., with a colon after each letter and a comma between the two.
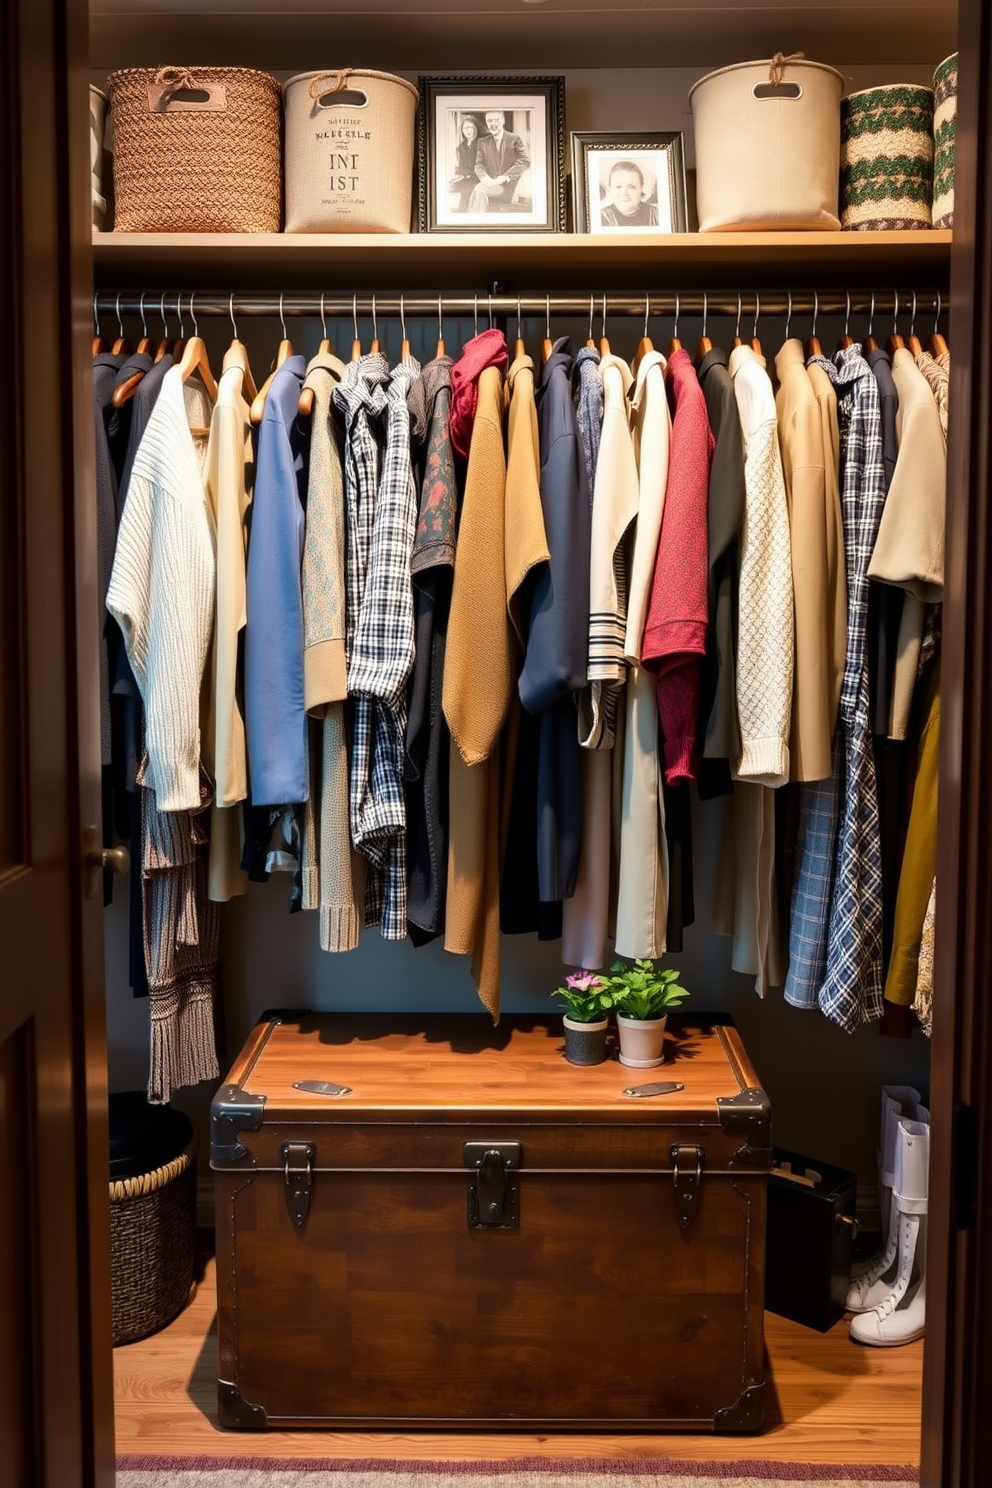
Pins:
x: 375, y: 320
x: 912, y: 316
x: 757, y: 313
x: 895, y: 312
x: 192, y: 316
x: 161, y: 311
x: 788, y: 315
x: 323, y: 318
x: 120, y: 323
x: 602, y: 329
x: 677, y: 308
x: 816, y: 314
x: 547, y: 317
x: 490, y: 310
x: 476, y: 314
x: 705, y: 312
x: 96, y: 316
x: 354, y: 314
x: 230, y: 311
x: 402, y: 317
x: 936, y: 312
x: 141, y: 312
x: 737, y: 330
x: 590, y: 315
x: 647, y: 313
x: 282, y: 318
x: 847, y: 312
x: 871, y: 312
x: 440, y: 320
x: 179, y: 316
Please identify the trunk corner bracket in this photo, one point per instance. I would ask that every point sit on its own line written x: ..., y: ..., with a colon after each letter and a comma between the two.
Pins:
x: 232, y: 1111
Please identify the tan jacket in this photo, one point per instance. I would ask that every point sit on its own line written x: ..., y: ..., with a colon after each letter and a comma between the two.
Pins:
x: 818, y: 577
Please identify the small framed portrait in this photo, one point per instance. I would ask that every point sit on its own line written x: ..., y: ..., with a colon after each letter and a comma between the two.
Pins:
x: 628, y: 183
x: 491, y: 154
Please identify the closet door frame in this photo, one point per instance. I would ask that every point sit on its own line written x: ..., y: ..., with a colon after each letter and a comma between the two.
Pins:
x: 957, y: 1383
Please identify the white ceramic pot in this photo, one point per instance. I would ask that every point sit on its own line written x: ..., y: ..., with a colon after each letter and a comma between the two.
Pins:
x: 641, y: 1041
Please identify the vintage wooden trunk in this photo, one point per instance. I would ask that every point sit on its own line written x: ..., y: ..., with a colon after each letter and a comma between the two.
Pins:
x: 474, y: 1232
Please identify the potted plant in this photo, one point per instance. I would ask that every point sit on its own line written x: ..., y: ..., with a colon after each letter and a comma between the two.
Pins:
x: 588, y: 999
x: 642, y: 995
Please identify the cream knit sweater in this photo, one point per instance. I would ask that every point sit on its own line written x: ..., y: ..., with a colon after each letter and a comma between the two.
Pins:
x: 765, y: 619
x: 162, y: 587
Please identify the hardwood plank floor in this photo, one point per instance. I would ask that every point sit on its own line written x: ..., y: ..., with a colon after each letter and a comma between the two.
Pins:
x: 831, y: 1402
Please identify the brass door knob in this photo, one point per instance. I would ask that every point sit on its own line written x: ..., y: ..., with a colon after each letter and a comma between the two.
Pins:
x: 97, y: 860
x: 115, y: 860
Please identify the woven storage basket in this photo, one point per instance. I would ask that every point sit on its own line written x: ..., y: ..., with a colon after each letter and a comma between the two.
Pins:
x: 152, y: 1225
x: 767, y: 145
x: 98, y: 119
x: 196, y: 149
x: 887, y: 158
x: 349, y: 151
x: 945, y: 83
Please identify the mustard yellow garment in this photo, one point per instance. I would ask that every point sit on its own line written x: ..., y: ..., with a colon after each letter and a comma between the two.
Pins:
x: 919, y: 862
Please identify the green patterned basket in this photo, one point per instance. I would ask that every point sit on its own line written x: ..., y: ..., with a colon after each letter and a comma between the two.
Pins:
x: 945, y: 83
x: 886, y: 158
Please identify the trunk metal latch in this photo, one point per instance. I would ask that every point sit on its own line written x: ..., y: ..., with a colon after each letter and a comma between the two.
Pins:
x: 492, y: 1197
x: 297, y: 1160
x: 687, y: 1170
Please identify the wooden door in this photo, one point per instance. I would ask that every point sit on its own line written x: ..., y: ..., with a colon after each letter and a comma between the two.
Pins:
x: 56, y: 1405
x: 958, y: 1361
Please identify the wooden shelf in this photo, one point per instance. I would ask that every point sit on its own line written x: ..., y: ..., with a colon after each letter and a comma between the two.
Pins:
x: 521, y: 261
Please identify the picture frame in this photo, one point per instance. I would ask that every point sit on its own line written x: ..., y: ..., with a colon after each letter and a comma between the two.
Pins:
x: 454, y: 141
x: 629, y: 182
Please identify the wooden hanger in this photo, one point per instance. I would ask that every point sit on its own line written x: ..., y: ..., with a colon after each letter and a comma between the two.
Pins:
x: 122, y: 346
x: 813, y: 347
x: 546, y: 344
x: 895, y: 342
x: 913, y: 341
x: 846, y: 338
x: 645, y: 345
x: 439, y: 349
x: 146, y: 347
x: 305, y: 405
x: 285, y: 350
x: 755, y: 343
x: 604, y: 345
x: 704, y: 344
x: 195, y: 359
x: 870, y: 344
x: 938, y: 346
x: 675, y: 344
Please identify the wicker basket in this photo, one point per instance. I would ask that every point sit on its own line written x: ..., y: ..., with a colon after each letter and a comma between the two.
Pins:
x: 152, y: 1240
x: 886, y: 157
x: 196, y: 149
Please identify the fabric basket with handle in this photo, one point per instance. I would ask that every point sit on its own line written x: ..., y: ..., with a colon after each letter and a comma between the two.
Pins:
x: 349, y: 151
x: 768, y: 146
x: 196, y: 149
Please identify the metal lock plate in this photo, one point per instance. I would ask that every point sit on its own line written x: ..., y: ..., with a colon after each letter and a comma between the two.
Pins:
x: 493, y: 1202
x: 297, y: 1160
x: 687, y: 1172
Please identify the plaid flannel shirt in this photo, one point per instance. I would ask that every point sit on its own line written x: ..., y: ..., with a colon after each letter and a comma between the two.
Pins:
x: 380, y: 656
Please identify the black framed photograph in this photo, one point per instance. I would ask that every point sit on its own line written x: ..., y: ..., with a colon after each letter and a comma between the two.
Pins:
x: 491, y: 154
x: 628, y: 183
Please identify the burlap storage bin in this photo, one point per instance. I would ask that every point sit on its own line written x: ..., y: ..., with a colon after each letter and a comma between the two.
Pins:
x: 945, y: 83
x: 98, y: 119
x: 152, y: 1215
x: 196, y: 149
x: 886, y: 158
x: 349, y: 151
x: 767, y: 146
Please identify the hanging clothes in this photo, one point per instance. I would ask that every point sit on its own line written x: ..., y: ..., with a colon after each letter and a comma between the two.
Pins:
x: 725, y: 519
x: 919, y: 863
x: 885, y: 601
x: 675, y: 632
x: 818, y: 578
x: 379, y: 668
x: 325, y: 665
x: 275, y: 712
x: 228, y: 479
x: 478, y: 678
x: 106, y: 367
x: 852, y: 987
x: 643, y: 876
x: 587, y: 394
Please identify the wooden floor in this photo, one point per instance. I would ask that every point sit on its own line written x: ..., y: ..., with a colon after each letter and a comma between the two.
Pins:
x: 832, y: 1401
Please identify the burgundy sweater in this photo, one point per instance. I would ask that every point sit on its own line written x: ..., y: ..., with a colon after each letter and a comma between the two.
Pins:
x: 675, y: 633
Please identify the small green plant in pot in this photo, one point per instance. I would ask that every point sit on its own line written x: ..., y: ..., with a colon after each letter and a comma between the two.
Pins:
x: 588, y: 1000
x: 643, y: 995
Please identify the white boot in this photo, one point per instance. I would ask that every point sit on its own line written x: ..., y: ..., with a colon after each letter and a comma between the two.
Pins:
x: 871, y: 1281
x: 900, y: 1316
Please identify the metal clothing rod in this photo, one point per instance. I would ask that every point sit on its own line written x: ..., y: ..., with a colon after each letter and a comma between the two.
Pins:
x: 900, y: 305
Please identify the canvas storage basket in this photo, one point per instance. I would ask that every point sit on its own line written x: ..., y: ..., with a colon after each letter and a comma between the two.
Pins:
x: 196, y: 149
x: 886, y: 158
x: 152, y: 1214
x: 349, y: 151
x: 945, y: 83
x: 98, y: 119
x: 767, y: 145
